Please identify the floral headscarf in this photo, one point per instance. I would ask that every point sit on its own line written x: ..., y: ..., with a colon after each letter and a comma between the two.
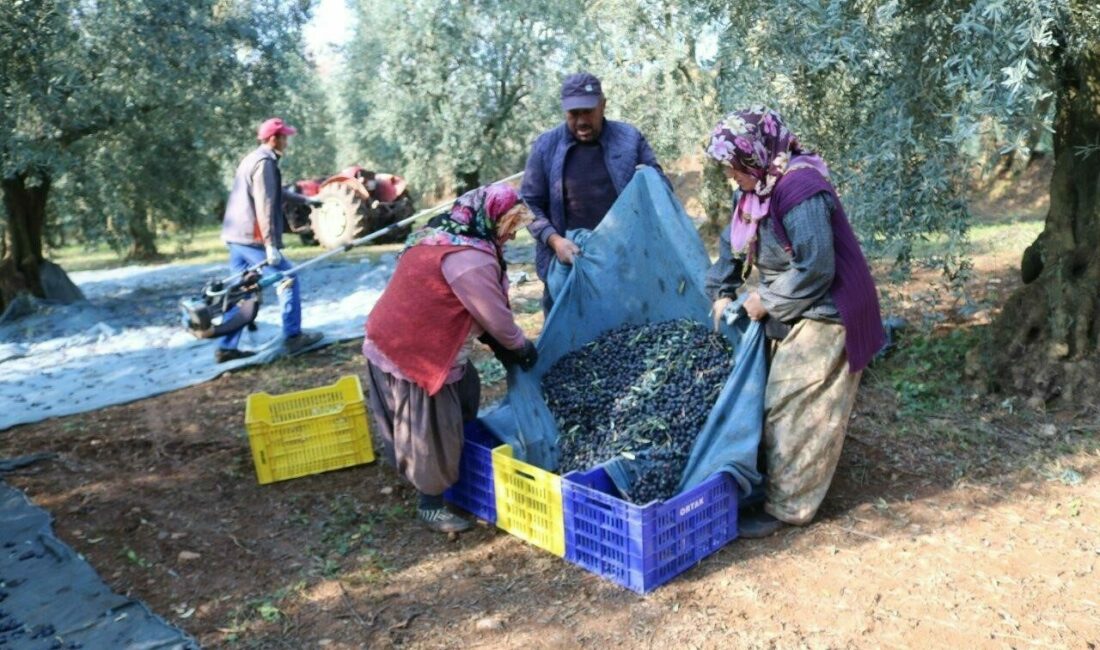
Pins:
x: 472, y: 220
x: 757, y: 142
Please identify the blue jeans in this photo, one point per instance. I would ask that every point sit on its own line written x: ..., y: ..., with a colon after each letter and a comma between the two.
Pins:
x: 290, y: 302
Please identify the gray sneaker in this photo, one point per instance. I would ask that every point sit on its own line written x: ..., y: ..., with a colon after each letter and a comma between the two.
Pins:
x: 302, y: 340
x: 442, y: 520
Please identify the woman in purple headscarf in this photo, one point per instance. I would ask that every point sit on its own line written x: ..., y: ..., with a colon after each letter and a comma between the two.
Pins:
x: 816, y: 298
x: 449, y: 288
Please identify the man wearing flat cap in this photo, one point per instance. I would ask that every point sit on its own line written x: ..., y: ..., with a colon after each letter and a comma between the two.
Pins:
x: 253, y: 230
x: 577, y: 170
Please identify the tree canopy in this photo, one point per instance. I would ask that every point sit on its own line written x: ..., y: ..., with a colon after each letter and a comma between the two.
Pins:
x: 130, y: 112
x: 452, y: 93
x: 904, y: 99
x: 119, y: 118
x: 896, y: 93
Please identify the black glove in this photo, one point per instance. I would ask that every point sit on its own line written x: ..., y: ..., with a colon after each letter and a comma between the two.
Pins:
x: 503, y: 354
x: 250, y: 280
x: 525, y: 357
x: 528, y: 356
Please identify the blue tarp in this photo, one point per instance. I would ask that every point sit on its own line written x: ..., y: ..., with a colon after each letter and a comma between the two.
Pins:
x: 644, y: 263
x: 51, y: 598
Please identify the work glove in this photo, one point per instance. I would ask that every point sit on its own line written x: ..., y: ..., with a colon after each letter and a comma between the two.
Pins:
x: 504, y: 355
x: 525, y: 357
x: 274, y: 255
x: 528, y: 356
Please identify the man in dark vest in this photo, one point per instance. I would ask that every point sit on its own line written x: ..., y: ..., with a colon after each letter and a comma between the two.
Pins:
x: 577, y: 170
x: 253, y: 230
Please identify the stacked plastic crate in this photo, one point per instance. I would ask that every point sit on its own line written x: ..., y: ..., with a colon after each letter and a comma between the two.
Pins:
x: 582, y: 517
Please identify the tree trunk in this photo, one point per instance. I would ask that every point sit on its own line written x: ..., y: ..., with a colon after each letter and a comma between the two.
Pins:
x: 1046, y: 342
x: 143, y: 243
x: 716, y: 197
x: 25, y: 195
x: 468, y: 180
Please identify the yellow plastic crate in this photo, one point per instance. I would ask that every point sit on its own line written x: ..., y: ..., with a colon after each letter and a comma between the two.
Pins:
x: 529, y: 502
x: 308, y: 431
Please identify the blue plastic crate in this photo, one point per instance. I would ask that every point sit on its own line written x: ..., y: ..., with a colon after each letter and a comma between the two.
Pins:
x: 474, y: 491
x: 643, y: 547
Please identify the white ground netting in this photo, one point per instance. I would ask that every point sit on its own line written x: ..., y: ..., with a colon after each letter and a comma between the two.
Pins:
x: 126, y: 341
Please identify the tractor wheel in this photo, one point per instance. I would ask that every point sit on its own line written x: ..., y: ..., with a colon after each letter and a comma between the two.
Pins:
x: 342, y: 217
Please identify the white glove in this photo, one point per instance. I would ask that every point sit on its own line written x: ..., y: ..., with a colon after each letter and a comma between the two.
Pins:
x: 274, y: 255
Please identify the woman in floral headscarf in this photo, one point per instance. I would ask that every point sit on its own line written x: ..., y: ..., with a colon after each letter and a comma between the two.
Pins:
x: 449, y: 288
x: 816, y: 298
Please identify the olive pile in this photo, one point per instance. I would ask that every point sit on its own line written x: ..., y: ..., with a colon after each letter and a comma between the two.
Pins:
x: 640, y: 392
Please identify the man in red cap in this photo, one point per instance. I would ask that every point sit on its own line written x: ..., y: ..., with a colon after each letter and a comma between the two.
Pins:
x: 253, y: 230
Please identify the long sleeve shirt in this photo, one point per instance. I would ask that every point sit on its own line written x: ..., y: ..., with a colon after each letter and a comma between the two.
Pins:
x: 792, y: 285
x: 474, y: 276
x: 624, y: 147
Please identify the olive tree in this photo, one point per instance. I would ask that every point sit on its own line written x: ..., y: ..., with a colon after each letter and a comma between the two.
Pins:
x: 891, y: 92
x: 451, y: 94
x: 656, y: 64
x: 1047, y: 339
x: 128, y: 112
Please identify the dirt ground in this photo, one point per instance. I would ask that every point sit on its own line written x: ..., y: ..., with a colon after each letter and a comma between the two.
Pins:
x: 955, y: 520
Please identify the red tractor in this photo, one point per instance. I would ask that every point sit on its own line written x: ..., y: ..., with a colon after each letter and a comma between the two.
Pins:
x: 353, y: 203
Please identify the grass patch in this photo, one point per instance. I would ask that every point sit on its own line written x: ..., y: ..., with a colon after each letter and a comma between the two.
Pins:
x: 1004, y: 237
x: 268, y: 608
x: 202, y: 246
x: 926, y: 372
x: 1013, y: 235
x: 343, y: 529
x: 490, y: 370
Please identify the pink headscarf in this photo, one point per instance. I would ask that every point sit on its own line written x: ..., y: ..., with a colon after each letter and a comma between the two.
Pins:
x: 499, y: 199
x: 746, y: 216
x: 472, y: 220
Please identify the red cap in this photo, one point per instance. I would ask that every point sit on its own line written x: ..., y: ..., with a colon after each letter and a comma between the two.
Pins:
x: 274, y: 126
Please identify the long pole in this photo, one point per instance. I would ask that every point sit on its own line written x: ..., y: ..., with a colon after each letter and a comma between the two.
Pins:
x: 271, y: 279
